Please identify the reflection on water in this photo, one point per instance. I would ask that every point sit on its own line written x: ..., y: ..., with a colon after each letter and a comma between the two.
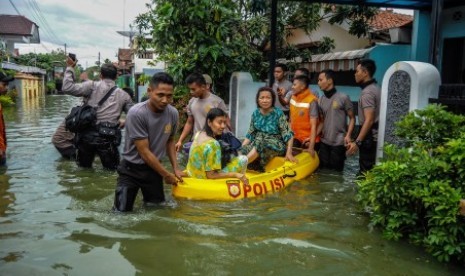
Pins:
x: 55, y: 219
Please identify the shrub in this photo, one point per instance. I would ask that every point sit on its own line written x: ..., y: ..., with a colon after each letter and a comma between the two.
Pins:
x: 50, y: 86
x: 414, y: 193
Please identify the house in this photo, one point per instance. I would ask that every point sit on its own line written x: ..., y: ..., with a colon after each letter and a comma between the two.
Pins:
x: 386, y: 27
x: 29, y: 81
x: 142, y: 62
x: 388, y: 42
x: 17, y: 29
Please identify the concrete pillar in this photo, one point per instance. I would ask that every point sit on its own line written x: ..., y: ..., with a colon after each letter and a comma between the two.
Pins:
x: 242, y: 94
x: 407, y: 85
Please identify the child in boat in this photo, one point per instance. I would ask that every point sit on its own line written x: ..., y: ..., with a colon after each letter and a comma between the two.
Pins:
x: 205, y: 156
x: 269, y: 134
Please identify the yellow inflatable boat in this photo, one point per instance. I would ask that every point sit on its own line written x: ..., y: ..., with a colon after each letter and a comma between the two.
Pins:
x: 277, y: 176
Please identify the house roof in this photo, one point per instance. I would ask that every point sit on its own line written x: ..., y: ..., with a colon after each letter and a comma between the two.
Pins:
x: 337, y: 61
x: 16, y: 25
x: 401, y: 4
x: 387, y: 19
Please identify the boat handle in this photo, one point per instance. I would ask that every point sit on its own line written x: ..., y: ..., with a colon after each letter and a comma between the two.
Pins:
x: 294, y: 173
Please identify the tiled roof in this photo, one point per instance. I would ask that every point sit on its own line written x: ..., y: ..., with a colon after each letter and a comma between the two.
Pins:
x: 387, y: 20
x: 15, y: 25
x: 124, y: 54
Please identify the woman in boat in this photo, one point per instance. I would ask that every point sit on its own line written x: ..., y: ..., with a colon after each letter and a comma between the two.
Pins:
x: 269, y: 133
x: 205, y: 157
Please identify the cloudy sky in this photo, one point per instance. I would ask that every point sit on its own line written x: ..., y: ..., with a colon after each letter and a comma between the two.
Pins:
x: 86, y: 26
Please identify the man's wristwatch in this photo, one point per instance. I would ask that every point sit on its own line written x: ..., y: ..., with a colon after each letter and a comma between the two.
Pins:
x: 358, y: 143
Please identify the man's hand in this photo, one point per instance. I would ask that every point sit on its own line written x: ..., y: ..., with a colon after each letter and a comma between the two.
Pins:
x: 70, y: 62
x: 311, y: 151
x: 352, y: 148
x: 171, y: 179
x: 178, y: 146
x: 347, y: 141
x: 121, y: 123
x: 180, y: 174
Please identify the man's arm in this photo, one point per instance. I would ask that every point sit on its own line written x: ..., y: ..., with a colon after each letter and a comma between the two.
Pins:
x: 172, y: 157
x: 70, y: 87
x: 313, y: 127
x: 185, y: 131
x: 369, y: 114
x: 321, y: 120
x: 142, y: 146
x: 350, y: 128
x: 282, y: 96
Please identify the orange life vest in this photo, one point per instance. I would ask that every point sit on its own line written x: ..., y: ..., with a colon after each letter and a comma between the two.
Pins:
x: 299, y: 107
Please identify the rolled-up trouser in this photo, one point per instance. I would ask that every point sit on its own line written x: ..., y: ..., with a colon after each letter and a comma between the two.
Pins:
x: 133, y: 177
x: 90, y: 143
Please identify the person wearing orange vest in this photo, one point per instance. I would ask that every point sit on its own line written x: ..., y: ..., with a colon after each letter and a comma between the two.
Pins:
x: 304, y: 115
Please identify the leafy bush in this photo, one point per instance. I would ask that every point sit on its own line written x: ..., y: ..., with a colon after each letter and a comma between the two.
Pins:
x: 50, y: 86
x: 414, y: 193
x: 6, y: 100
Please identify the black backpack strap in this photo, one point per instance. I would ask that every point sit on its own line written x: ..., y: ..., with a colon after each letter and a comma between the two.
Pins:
x: 107, y: 95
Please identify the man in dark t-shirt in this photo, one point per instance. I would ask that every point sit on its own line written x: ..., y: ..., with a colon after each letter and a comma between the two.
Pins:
x: 150, y: 129
x: 335, y: 107
x: 368, y: 115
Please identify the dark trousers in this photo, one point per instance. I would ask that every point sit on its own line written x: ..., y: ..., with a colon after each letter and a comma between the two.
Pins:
x: 90, y: 143
x: 68, y: 152
x: 332, y: 157
x: 133, y: 177
x: 367, y: 152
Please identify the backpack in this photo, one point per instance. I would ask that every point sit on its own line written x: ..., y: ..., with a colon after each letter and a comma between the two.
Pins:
x: 84, y: 117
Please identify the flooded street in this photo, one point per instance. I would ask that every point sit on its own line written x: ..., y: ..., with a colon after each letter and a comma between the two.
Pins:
x: 55, y: 219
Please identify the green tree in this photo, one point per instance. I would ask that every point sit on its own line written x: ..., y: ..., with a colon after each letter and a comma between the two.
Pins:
x: 222, y: 36
x: 45, y: 61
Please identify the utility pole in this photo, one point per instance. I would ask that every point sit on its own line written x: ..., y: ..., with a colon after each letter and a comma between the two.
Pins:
x: 98, y: 59
x: 65, y: 49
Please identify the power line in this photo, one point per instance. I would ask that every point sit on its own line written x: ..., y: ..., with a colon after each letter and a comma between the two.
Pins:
x: 37, y: 14
x: 24, y: 23
x: 11, y: 2
x: 37, y: 8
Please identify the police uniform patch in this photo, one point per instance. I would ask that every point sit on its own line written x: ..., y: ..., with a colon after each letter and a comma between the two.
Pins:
x: 335, y: 105
x: 168, y: 128
x: 207, y: 108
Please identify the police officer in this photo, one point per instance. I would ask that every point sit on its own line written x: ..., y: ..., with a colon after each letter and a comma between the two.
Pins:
x: 104, y: 138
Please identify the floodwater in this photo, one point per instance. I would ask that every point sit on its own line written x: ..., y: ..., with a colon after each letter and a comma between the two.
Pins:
x: 55, y: 220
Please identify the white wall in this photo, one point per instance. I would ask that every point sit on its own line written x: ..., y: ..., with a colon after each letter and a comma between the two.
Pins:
x: 343, y: 40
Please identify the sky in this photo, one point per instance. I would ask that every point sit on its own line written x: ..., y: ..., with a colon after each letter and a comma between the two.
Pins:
x: 86, y: 26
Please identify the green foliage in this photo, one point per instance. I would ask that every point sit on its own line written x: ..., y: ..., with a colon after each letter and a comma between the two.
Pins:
x: 9, y: 99
x: 430, y: 127
x: 6, y: 100
x: 45, y: 61
x: 358, y: 16
x: 415, y: 192
x: 143, y: 79
x: 219, y: 37
x: 50, y: 86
